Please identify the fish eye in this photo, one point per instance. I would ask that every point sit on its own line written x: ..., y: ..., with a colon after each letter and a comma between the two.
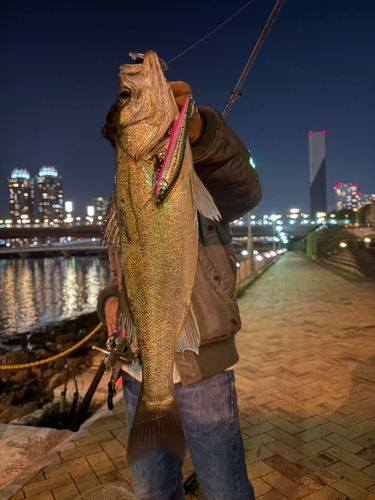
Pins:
x: 124, y: 95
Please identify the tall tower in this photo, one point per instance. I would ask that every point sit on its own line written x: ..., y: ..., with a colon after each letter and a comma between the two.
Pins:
x: 317, y: 157
x: 49, y: 196
x: 21, y: 196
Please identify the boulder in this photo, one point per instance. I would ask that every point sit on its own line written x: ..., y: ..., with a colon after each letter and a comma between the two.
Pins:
x: 21, y: 376
x: 66, y: 337
x: 37, y: 338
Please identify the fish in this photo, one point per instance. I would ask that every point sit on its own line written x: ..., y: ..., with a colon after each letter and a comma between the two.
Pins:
x: 152, y: 219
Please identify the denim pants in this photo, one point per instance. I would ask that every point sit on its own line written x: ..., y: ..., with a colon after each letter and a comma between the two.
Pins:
x: 209, y: 415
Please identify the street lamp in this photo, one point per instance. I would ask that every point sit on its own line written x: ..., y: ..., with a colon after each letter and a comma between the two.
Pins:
x: 69, y: 210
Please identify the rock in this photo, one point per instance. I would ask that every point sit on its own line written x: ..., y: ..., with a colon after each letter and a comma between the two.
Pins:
x: 66, y: 337
x: 48, y: 373
x: 69, y: 326
x: 54, y: 348
x: 18, y: 395
x: 56, y: 380
x: 16, y: 339
x: 36, y: 373
x: 37, y: 338
x: 68, y: 345
x: 17, y: 411
x: 5, y: 400
x: 42, y: 353
x: 21, y: 376
x: 82, y: 332
x: 58, y: 365
x: 75, y: 363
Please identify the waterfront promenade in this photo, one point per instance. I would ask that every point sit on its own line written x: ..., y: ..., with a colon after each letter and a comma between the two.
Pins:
x: 306, y: 390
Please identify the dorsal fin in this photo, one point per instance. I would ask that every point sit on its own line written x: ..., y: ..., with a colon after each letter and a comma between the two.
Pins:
x: 110, y: 233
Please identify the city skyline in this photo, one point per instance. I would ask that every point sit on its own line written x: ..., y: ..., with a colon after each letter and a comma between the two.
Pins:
x: 310, y: 74
x: 346, y: 195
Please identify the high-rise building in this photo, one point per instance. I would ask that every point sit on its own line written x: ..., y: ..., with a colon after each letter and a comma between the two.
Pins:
x: 317, y: 161
x: 366, y: 199
x: 346, y: 196
x: 100, y: 204
x: 49, y: 195
x: 21, y: 195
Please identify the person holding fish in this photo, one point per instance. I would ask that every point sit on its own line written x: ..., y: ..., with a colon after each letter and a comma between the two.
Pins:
x: 182, y: 175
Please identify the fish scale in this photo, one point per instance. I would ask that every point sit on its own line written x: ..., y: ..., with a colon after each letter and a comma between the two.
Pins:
x: 152, y: 218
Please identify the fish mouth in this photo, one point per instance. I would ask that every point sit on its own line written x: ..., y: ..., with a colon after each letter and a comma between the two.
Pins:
x: 152, y: 105
x: 139, y: 58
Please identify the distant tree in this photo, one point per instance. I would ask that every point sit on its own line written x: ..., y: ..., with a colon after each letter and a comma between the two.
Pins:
x: 346, y: 213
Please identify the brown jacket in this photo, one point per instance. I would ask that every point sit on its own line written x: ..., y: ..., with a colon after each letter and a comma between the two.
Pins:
x: 222, y: 163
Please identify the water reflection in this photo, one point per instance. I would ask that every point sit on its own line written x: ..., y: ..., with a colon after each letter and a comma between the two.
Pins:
x: 34, y: 292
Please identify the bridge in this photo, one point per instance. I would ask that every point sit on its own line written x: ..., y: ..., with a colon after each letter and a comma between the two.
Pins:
x: 67, y: 249
x: 93, y: 231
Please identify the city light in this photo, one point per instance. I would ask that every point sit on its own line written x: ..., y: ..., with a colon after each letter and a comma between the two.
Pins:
x: 279, y: 228
x: 48, y: 172
x: 68, y: 207
x: 258, y: 257
x: 294, y: 210
x: 319, y: 215
x: 90, y: 211
x: 367, y: 240
x: 273, y: 217
x: 255, y: 252
x: 245, y: 252
x: 343, y: 245
x: 268, y: 255
x: 292, y: 222
x: 19, y: 173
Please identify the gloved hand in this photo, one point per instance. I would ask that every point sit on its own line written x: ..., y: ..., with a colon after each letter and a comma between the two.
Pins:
x: 110, y: 310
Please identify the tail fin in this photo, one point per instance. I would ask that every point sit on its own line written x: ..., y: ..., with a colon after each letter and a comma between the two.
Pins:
x: 151, y: 429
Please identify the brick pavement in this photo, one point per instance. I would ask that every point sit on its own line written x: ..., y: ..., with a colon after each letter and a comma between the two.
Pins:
x: 305, y: 383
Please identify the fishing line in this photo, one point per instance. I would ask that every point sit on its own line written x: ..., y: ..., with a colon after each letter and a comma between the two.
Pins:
x: 236, y: 93
x: 211, y: 32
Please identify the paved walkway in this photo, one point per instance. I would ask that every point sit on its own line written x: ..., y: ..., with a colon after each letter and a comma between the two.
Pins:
x: 306, y: 387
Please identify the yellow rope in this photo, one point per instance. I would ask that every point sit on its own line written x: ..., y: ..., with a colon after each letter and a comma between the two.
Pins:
x: 58, y: 356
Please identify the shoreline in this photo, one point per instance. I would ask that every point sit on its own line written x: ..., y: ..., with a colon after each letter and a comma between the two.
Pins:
x: 26, y: 390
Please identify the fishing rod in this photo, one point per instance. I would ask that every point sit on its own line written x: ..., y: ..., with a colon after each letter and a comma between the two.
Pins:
x: 236, y: 93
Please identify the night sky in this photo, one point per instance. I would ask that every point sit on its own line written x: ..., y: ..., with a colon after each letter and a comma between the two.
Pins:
x: 316, y: 70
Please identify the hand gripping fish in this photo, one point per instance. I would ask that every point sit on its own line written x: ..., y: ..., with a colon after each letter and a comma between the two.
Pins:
x: 152, y: 219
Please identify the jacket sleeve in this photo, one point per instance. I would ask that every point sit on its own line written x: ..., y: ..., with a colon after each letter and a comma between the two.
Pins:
x: 113, y: 287
x: 221, y: 162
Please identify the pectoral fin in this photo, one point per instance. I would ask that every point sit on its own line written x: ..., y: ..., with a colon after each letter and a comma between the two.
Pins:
x: 110, y: 233
x: 124, y: 316
x: 204, y: 201
x: 189, y: 338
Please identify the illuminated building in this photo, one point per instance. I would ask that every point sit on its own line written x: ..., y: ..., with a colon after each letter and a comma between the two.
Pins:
x: 346, y: 196
x: 100, y: 204
x: 21, y: 195
x: 49, y: 195
x: 317, y: 162
x: 366, y: 199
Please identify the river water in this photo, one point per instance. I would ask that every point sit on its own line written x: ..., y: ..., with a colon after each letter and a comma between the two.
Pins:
x: 34, y: 292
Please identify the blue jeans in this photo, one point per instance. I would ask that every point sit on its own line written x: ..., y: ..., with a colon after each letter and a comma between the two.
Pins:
x: 209, y: 415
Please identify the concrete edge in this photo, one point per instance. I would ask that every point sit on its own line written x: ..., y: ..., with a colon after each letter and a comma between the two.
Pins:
x: 52, y: 457
x: 241, y: 287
